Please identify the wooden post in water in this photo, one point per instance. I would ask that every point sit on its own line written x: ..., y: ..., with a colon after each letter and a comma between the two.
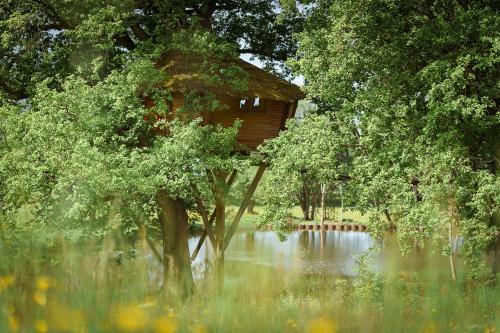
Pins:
x: 220, y: 239
x: 220, y: 222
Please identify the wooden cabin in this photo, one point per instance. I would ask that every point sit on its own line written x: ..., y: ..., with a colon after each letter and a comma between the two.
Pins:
x: 263, y: 108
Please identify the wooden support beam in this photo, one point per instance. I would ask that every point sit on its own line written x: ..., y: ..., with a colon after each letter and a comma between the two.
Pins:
x: 204, y: 218
x: 202, y: 237
x: 244, y: 204
x: 197, y: 249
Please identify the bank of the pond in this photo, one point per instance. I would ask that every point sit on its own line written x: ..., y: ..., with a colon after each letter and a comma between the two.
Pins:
x: 309, y: 283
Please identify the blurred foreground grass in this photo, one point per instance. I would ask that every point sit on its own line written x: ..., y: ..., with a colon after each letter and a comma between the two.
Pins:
x: 80, y: 289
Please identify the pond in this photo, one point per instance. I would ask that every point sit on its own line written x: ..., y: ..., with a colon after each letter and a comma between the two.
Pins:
x: 325, y: 253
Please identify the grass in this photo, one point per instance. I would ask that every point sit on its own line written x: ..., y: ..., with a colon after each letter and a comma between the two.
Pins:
x: 84, y: 289
x: 81, y: 289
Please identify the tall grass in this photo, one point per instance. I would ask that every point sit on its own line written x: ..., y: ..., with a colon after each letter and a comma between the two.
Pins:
x: 90, y: 288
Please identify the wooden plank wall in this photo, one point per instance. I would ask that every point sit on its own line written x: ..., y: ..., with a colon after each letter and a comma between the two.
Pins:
x: 258, y: 123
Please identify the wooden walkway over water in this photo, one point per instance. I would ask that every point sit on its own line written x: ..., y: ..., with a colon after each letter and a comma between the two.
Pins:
x: 327, y: 226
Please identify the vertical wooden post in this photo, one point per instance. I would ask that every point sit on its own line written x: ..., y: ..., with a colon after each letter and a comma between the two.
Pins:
x: 230, y: 181
x: 220, y: 222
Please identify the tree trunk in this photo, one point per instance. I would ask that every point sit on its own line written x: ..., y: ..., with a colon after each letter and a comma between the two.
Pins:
x: 323, y: 207
x: 177, y: 273
x: 495, y: 219
x: 304, y: 202
x: 452, y: 258
x: 495, y: 265
x: 341, y: 205
x: 453, y: 218
x: 314, y: 202
x: 392, y: 226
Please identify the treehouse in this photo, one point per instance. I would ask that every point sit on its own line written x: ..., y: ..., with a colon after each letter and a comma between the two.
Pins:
x: 222, y: 91
x: 263, y: 105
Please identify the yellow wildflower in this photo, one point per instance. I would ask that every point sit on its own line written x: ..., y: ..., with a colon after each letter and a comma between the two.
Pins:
x: 322, y: 325
x: 6, y: 281
x: 41, y: 326
x: 43, y: 283
x: 65, y: 319
x: 40, y: 298
x: 490, y: 329
x: 131, y: 318
x: 166, y: 325
x: 13, y: 323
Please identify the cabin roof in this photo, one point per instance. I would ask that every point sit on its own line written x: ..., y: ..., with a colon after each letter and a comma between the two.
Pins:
x: 187, y: 74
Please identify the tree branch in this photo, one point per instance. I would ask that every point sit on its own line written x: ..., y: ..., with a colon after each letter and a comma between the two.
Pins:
x: 262, y: 53
x: 15, y: 94
x: 52, y: 12
x: 125, y: 41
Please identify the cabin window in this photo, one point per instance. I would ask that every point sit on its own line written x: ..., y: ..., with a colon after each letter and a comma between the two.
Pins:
x: 251, y: 104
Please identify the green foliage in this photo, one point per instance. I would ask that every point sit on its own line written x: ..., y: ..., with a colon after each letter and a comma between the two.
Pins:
x: 305, y: 151
x: 55, y: 38
x: 85, y: 155
x: 411, y: 89
x: 80, y: 153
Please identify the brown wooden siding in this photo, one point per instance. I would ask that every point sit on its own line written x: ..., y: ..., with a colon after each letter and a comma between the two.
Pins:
x: 258, y: 123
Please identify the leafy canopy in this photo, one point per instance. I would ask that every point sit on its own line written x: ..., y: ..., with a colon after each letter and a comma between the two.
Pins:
x: 411, y: 88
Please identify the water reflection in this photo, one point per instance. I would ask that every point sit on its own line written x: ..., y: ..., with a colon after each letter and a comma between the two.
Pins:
x: 324, y: 252
x: 320, y: 252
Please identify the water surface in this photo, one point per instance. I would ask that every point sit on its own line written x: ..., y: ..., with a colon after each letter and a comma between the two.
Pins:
x: 324, y: 252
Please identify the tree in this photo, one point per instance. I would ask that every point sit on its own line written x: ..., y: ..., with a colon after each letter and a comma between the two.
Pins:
x: 414, y: 88
x: 306, y: 151
x: 86, y: 154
